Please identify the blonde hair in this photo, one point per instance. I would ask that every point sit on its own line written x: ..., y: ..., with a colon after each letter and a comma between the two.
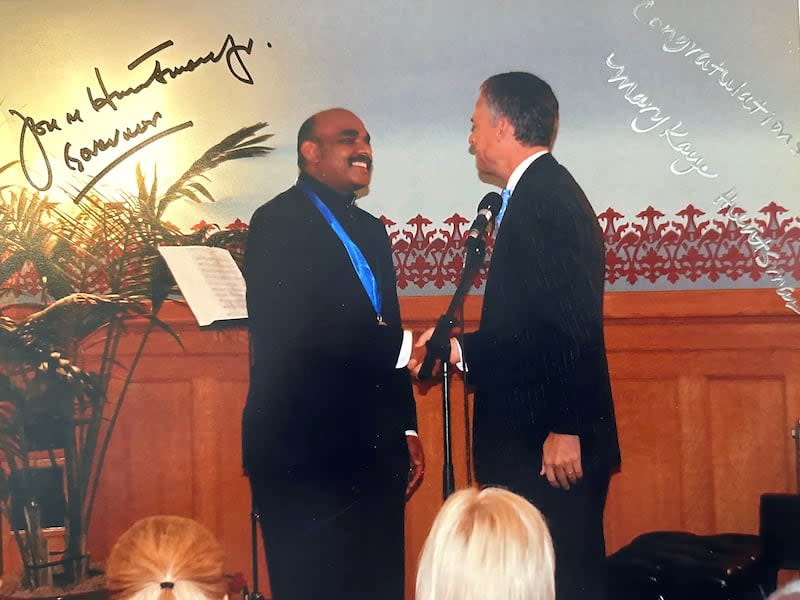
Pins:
x: 166, y: 558
x: 487, y: 545
x: 790, y: 591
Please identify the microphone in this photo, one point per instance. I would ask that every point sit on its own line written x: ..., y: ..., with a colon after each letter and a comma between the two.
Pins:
x: 474, y: 246
x: 487, y: 211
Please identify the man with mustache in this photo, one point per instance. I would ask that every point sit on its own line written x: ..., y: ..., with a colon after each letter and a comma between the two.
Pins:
x: 329, y: 428
x: 544, y: 422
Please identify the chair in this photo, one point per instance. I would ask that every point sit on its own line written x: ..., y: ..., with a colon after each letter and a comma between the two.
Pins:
x: 780, y: 529
x: 677, y: 565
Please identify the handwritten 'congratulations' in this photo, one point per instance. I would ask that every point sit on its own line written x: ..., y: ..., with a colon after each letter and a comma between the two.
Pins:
x: 703, y: 60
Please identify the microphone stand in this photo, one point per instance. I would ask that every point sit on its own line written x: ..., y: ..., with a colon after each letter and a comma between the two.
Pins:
x: 255, y: 517
x: 439, y: 348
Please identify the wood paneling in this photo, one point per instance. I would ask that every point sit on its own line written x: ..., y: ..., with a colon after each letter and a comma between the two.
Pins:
x: 647, y: 410
x: 706, y: 384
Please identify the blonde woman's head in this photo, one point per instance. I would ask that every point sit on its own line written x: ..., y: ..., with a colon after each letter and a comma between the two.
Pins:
x: 487, y: 545
x: 166, y: 558
x: 790, y: 591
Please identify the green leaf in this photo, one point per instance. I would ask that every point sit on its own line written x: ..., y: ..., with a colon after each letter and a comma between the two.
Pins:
x: 201, y: 188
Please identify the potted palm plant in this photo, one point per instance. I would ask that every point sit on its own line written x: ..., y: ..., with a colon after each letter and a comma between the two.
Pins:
x: 92, y: 268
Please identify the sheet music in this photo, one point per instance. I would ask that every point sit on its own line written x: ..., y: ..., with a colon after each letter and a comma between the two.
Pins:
x: 209, y: 280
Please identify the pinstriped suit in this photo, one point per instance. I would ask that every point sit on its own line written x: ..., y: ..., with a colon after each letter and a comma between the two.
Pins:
x: 538, y: 363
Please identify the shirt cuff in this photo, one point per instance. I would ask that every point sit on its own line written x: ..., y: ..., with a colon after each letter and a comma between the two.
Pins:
x: 412, y: 432
x: 405, y: 350
x: 462, y: 366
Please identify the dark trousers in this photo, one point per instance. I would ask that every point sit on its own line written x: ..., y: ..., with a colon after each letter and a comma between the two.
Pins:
x: 575, y: 519
x: 329, y: 541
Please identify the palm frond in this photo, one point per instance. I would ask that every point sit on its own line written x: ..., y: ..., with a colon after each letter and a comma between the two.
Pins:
x: 106, y: 248
x: 195, y: 185
x: 74, y: 317
x: 243, y: 143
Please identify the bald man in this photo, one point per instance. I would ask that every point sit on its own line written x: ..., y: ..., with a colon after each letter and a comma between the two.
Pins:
x: 329, y: 429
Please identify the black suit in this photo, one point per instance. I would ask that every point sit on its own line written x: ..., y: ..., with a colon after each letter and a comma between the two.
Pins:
x: 538, y: 363
x: 323, y: 428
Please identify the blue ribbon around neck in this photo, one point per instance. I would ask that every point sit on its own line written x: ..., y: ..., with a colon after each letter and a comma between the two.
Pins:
x: 360, y: 263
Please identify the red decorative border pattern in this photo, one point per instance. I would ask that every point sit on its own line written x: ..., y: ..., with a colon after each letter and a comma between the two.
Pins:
x: 649, y: 250
x: 692, y: 248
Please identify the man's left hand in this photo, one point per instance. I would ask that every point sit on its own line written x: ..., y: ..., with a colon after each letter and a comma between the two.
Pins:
x: 561, y: 460
x: 416, y: 469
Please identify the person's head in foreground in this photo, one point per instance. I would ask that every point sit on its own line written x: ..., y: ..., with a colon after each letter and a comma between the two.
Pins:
x: 166, y: 558
x: 790, y: 591
x: 488, y: 544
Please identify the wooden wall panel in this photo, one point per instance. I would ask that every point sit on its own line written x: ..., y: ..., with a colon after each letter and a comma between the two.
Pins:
x: 745, y: 416
x: 697, y: 508
x: 220, y: 489
x: 148, y: 468
x: 647, y: 410
x: 707, y: 388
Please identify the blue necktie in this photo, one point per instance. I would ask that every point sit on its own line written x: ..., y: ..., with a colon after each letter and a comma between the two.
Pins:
x: 505, y: 194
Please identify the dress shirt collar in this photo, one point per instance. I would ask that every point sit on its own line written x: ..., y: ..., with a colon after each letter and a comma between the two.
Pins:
x: 516, y: 174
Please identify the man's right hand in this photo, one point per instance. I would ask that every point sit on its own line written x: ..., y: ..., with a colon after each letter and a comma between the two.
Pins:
x: 416, y: 470
x: 420, y: 352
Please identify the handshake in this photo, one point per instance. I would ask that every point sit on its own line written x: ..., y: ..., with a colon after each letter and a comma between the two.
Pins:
x: 431, y: 348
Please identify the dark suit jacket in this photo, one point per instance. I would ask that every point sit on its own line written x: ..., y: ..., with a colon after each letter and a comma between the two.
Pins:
x: 325, y: 401
x: 538, y: 360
